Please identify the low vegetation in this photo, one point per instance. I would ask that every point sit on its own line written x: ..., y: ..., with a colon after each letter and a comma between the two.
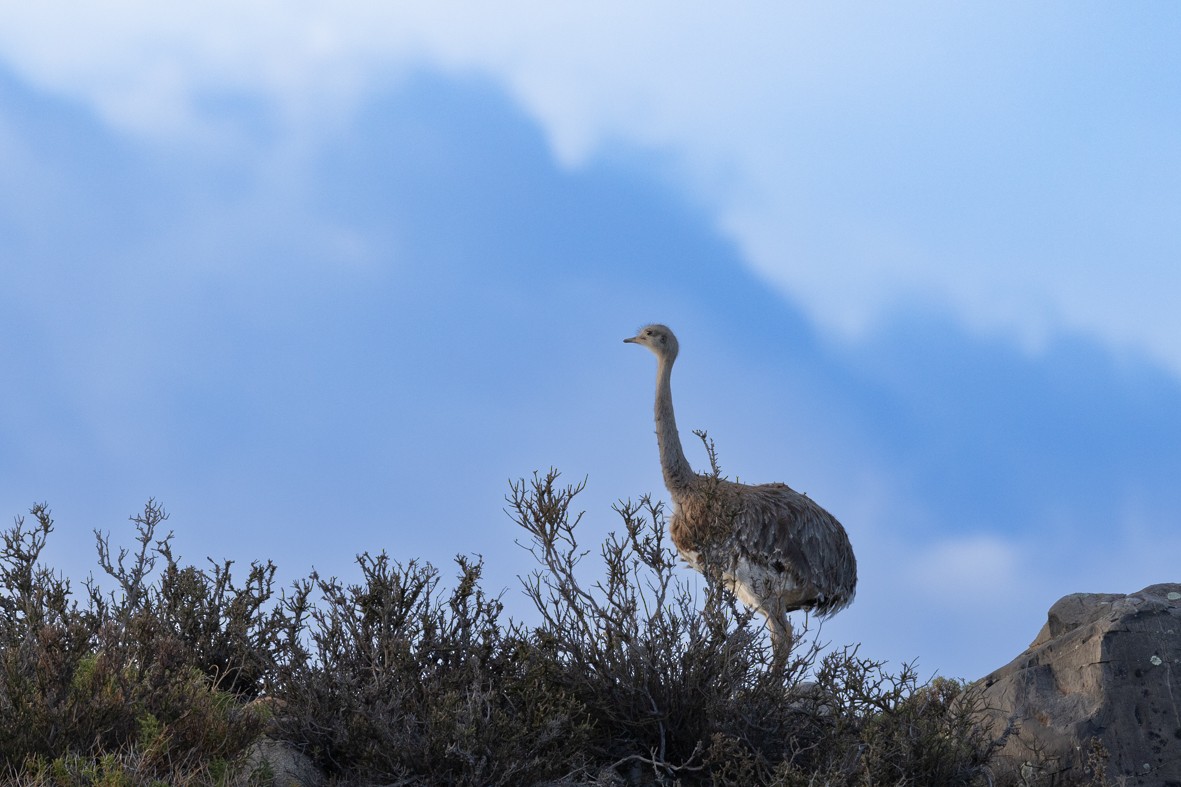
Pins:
x: 163, y: 673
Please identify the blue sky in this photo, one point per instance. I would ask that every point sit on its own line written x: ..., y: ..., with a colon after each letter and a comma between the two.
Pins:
x: 324, y: 278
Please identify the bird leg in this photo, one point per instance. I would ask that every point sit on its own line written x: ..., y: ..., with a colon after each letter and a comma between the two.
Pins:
x: 782, y: 637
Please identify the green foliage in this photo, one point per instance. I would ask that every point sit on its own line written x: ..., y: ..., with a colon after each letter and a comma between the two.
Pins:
x: 636, y: 673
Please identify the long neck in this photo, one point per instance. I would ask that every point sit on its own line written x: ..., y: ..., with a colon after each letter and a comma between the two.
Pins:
x: 677, y: 473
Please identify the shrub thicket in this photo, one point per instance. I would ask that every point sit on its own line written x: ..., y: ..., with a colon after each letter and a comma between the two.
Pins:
x: 632, y: 675
x: 144, y: 680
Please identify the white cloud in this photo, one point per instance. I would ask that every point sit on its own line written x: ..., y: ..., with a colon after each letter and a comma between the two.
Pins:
x: 975, y: 571
x: 1001, y: 162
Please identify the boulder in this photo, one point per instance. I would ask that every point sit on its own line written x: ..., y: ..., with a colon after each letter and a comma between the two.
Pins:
x: 1097, y: 695
x: 273, y: 763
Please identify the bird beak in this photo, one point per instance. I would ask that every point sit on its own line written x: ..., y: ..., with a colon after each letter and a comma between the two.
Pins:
x: 630, y: 340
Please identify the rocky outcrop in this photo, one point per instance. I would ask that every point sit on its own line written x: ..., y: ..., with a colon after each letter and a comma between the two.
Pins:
x: 1097, y: 693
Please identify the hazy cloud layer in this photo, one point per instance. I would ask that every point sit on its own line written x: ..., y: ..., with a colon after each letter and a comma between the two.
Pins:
x: 1007, y: 162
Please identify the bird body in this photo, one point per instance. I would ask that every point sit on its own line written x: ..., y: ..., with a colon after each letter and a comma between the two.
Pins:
x: 776, y: 549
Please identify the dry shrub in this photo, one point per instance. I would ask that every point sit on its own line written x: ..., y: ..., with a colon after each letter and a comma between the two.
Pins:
x: 115, y: 675
x: 636, y: 673
x: 681, y: 689
x: 405, y: 683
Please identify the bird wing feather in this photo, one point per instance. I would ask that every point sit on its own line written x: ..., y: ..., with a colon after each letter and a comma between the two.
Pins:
x: 774, y: 531
x: 790, y: 532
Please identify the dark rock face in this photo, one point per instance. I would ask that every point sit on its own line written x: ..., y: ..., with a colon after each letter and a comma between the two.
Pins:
x: 1104, y: 675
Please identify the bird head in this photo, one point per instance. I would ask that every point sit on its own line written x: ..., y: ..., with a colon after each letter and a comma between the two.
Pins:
x: 657, y: 338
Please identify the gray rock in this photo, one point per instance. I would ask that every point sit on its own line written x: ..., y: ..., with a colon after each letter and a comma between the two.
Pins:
x: 1098, y: 690
x: 282, y: 764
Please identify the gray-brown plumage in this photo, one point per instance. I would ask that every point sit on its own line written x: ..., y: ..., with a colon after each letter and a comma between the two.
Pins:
x: 776, y: 549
